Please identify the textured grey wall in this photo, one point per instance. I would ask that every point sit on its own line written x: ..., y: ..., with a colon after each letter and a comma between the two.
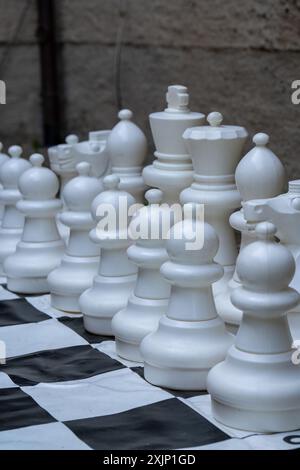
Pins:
x: 236, y: 56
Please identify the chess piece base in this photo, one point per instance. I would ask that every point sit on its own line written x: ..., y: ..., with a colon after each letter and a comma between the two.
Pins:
x: 33, y: 285
x: 180, y: 354
x: 265, y: 391
x: 103, y: 300
x: 70, y: 280
x: 9, y: 238
x: 132, y: 324
x: 27, y: 269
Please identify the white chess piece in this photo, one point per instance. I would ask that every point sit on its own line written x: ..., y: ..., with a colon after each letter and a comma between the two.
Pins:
x: 116, y: 276
x: 284, y: 212
x: 149, y: 300
x: 259, y: 175
x: 172, y: 170
x: 94, y: 151
x: 3, y: 158
x: 190, y: 338
x: 257, y: 387
x: 127, y: 148
x: 40, y: 249
x: 216, y: 150
x: 13, y: 221
x: 61, y: 160
x: 80, y: 262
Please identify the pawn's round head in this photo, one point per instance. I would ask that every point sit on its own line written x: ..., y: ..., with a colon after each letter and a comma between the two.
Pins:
x: 38, y: 182
x: 265, y: 265
x: 192, y: 241
x: 12, y: 169
x: 80, y: 191
x: 112, y: 201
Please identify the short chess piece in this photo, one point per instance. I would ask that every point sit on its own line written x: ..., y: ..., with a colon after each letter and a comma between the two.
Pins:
x: 172, y: 169
x: 149, y: 300
x: 40, y: 249
x: 284, y: 212
x: 116, y: 275
x: 257, y: 387
x: 13, y: 220
x: 80, y: 262
x: 216, y: 149
x: 190, y: 338
x: 259, y: 175
x: 127, y: 148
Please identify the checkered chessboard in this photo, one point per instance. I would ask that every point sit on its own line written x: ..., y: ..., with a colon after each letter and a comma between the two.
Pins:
x: 62, y: 388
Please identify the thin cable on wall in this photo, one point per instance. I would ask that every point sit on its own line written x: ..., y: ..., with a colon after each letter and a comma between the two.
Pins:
x: 12, y: 40
x: 118, y: 53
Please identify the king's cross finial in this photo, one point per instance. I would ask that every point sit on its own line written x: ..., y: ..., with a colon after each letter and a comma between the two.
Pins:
x: 177, y: 98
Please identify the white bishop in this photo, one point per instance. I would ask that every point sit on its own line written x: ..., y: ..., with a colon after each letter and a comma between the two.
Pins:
x: 127, y: 148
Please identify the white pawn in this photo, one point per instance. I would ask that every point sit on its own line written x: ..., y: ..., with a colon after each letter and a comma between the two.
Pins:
x: 216, y: 150
x: 80, y: 262
x: 3, y: 158
x: 149, y: 300
x: 260, y: 174
x: 190, y: 338
x: 127, y: 148
x: 12, y: 221
x: 116, y: 276
x: 40, y: 249
x: 172, y: 170
x: 257, y: 387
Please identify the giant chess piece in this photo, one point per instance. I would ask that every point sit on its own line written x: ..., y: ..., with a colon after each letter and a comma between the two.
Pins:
x: 81, y: 259
x: 284, y: 212
x: 93, y: 151
x: 40, y: 249
x: 190, y: 338
x: 61, y: 160
x: 216, y: 150
x: 149, y: 300
x: 172, y: 170
x: 116, y: 276
x: 13, y: 221
x: 259, y: 175
x: 3, y: 158
x: 257, y: 387
x: 127, y: 148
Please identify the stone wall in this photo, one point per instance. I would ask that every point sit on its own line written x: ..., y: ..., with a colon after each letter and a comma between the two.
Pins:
x: 238, y: 57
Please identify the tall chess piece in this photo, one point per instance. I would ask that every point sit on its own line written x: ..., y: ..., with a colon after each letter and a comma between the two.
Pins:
x: 13, y: 221
x: 127, y: 148
x: 149, y: 300
x: 216, y: 150
x: 190, y: 338
x: 172, y: 170
x: 116, y: 276
x: 40, y: 249
x: 257, y: 387
x: 3, y: 158
x: 284, y: 212
x: 259, y: 175
x: 80, y: 262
